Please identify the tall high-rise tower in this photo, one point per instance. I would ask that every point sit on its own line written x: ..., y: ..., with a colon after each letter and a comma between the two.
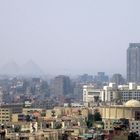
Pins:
x: 61, y: 85
x: 133, y: 63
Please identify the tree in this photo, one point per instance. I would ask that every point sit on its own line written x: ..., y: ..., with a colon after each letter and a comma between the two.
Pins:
x: 17, y: 129
x: 90, y: 120
x: 93, y: 118
x: 58, y: 125
x: 97, y: 117
x: 65, y: 136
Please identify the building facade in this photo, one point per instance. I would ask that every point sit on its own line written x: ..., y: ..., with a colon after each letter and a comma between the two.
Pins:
x: 117, y: 79
x: 123, y: 93
x: 133, y: 63
x: 110, y: 93
x: 5, y: 115
x: 130, y: 92
x: 130, y: 111
x: 61, y: 85
x: 90, y: 94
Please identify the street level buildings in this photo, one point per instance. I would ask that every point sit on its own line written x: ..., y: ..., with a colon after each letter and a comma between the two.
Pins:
x: 114, y: 115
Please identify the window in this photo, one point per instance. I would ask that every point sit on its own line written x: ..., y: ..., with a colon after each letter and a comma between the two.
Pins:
x: 137, y: 115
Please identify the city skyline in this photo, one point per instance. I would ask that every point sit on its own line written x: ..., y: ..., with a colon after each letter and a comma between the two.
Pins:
x: 69, y: 37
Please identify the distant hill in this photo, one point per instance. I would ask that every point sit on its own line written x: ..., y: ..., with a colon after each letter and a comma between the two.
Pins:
x: 29, y: 69
x: 11, y: 68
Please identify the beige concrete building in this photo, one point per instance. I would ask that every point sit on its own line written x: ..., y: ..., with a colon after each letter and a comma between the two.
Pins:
x: 14, y: 118
x: 5, y: 115
x: 135, y: 126
x: 29, y: 127
x: 27, y: 111
x: 14, y: 107
x: 67, y: 111
x: 47, y: 134
x: 130, y: 110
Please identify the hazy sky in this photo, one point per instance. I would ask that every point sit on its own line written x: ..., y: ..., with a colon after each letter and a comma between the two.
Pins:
x: 69, y: 36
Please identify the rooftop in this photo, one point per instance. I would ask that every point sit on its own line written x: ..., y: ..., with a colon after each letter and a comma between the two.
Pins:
x: 134, y: 45
x: 132, y: 103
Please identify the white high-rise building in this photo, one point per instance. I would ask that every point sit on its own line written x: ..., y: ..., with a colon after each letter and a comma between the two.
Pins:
x: 133, y: 63
x: 123, y: 93
x: 109, y: 93
x: 90, y: 94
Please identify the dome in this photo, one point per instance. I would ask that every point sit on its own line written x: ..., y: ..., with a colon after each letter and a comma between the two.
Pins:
x: 132, y: 103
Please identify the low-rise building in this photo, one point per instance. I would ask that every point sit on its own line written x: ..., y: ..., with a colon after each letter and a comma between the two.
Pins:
x: 14, y: 107
x: 5, y: 115
x: 135, y: 126
x: 113, y: 115
x: 47, y: 134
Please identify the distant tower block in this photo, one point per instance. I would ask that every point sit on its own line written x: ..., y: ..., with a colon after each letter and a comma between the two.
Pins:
x: 133, y: 63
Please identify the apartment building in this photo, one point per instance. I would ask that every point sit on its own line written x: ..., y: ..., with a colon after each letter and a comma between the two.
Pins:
x: 91, y: 94
x: 5, y: 115
x: 123, y: 93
